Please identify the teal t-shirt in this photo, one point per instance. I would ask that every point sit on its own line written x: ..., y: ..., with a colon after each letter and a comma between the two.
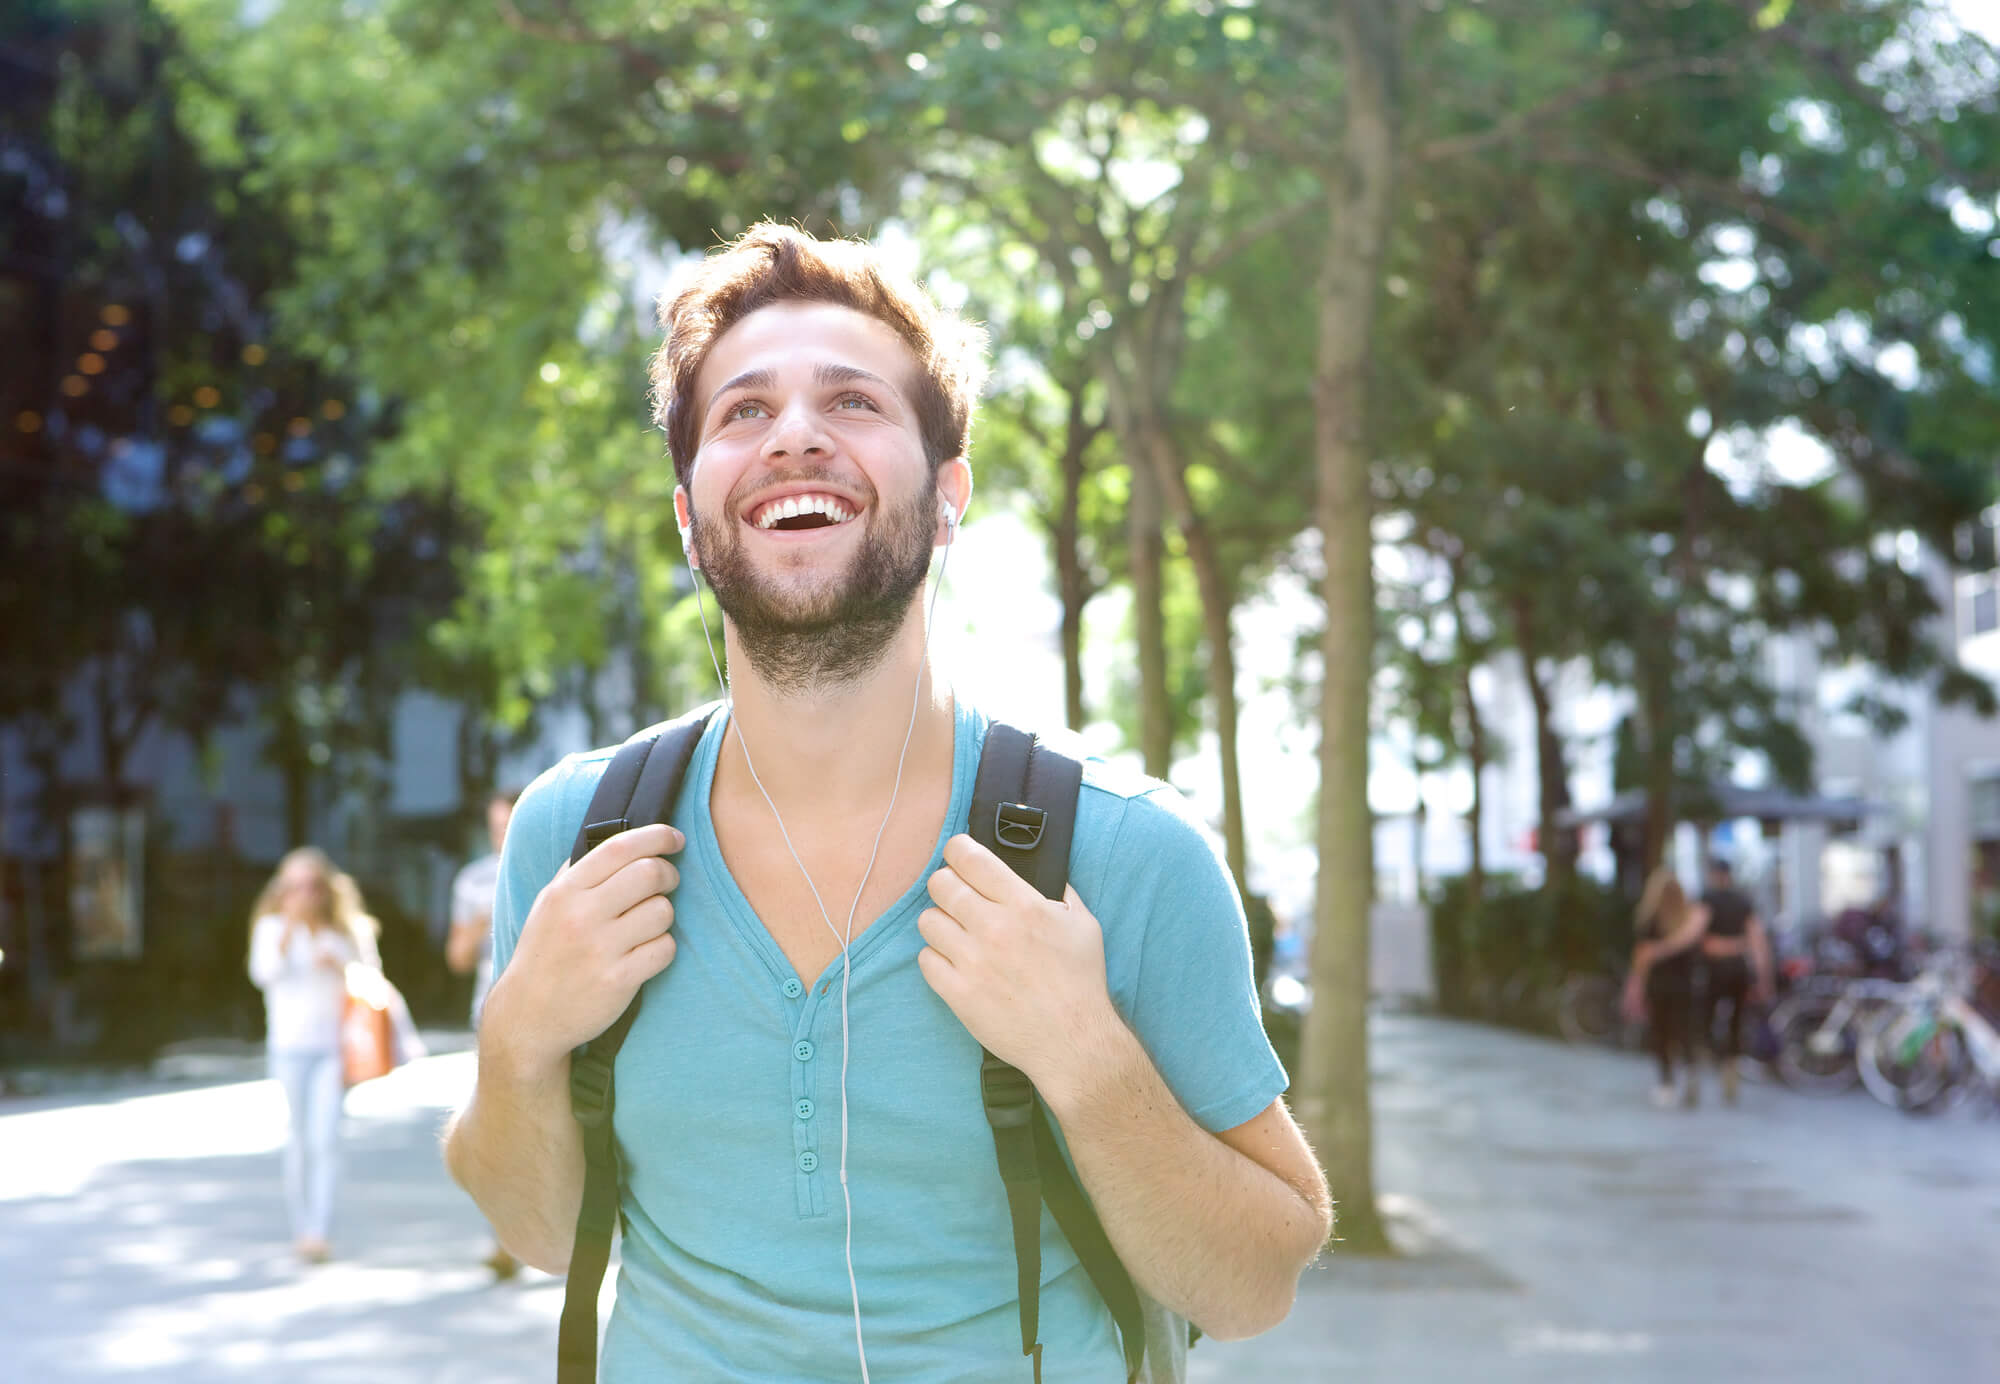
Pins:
x: 728, y: 1117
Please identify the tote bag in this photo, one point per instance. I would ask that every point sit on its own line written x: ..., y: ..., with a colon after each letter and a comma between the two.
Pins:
x: 367, y: 1033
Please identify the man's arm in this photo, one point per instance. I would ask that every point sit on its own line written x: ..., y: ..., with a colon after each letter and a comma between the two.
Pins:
x: 1692, y: 929
x: 595, y: 934
x: 1217, y: 1227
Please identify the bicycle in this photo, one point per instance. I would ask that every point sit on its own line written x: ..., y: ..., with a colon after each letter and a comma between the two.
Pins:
x: 1938, y: 1042
x: 1819, y: 1030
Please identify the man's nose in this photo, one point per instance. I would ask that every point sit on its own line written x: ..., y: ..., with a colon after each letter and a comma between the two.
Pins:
x: 797, y: 432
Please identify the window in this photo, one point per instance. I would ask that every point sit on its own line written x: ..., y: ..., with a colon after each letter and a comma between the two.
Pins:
x: 1978, y: 554
x: 1983, y: 806
x: 1979, y: 543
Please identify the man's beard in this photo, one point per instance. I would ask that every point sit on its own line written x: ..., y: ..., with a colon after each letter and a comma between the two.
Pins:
x: 802, y: 642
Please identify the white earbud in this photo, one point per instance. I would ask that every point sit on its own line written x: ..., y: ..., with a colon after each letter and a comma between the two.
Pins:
x: 948, y: 514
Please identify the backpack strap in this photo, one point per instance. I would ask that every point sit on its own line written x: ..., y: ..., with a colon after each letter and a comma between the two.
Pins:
x: 637, y: 789
x: 1024, y: 811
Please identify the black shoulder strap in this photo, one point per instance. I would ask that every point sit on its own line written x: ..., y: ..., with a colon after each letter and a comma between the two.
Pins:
x: 1024, y: 811
x: 637, y: 789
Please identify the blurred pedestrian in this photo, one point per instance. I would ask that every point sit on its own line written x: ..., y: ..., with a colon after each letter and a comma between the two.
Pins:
x: 469, y: 948
x: 1736, y: 960
x: 470, y: 945
x: 1660, y: 986
x: 308, y: 926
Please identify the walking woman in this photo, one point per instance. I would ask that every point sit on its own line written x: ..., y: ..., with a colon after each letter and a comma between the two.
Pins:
x: 307, y: 927
x: 1661, y: 982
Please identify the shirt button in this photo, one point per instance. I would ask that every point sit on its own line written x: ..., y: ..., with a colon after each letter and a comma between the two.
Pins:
x: 803, y: 1050
x: 804, y: 1109
x: 793, y: 989
x: 808, y: 1161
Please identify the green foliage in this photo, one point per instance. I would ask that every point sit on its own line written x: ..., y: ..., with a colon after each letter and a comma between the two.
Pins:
x: 1590, y: 314
x: 186, y: 519
x: 1516, y: 932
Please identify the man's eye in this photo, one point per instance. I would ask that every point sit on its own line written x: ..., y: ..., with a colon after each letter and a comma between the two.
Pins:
x: 857, y: 400
x: 749, y: 408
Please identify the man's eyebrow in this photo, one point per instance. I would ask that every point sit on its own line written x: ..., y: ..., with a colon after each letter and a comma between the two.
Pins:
x: 749, y: 379
x: 829, y: 374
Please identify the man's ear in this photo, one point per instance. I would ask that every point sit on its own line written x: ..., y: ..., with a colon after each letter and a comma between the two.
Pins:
x: 954, y: 483
x: 684, y: 516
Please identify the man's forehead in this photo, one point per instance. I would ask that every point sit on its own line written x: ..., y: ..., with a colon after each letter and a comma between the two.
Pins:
x: 813, y: 335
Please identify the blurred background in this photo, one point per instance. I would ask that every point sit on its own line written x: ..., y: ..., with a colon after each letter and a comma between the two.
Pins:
x: 1478, y: 449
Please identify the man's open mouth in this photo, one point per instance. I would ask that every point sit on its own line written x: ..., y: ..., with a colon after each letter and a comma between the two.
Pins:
x: 796, y: 512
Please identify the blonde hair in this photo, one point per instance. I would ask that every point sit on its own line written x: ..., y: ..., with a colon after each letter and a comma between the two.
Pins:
x: 1663, y: 899
x: 350, y: 916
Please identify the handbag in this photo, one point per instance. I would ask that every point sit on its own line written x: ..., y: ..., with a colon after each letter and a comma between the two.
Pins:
x: 367, y: 1033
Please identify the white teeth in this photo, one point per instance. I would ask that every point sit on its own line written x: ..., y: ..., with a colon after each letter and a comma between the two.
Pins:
x: 794, y: 505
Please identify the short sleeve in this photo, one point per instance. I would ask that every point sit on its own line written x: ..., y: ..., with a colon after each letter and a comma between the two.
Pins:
x: 538, y: 839
x: 1192, y: 999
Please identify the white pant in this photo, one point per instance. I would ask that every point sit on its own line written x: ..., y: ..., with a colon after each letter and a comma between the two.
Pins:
x: 314, y: 1088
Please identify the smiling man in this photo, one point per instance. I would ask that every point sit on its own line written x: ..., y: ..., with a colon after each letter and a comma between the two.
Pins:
x: 809, y: 1187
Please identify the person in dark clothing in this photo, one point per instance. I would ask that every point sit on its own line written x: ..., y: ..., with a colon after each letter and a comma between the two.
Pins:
x: 1736, y: 959
x: 1660, y: 984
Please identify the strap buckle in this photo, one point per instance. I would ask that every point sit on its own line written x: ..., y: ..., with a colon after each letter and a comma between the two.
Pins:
x: 1007, y: 1093
x: 590, y: 1096
x: 596, y: 834
x: 1018, y: 826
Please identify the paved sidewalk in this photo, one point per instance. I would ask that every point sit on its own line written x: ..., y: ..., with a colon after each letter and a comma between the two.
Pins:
x: 1565, y: 1232
x: 1572, y: 1234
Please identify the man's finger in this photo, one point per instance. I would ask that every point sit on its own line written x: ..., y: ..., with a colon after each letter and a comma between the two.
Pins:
x: 950, y: 892
x: 646, y: 920
x: 642, y: 963
x: 986, y: 872
x: 941, y: 931
x: 608, y: 857
x: 938, y: 973
x: 648, y: 877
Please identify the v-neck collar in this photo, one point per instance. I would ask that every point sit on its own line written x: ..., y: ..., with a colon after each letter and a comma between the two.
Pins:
x: 899, y: 914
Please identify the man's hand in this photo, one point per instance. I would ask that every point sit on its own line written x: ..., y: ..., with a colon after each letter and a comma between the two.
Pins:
x: 1024, y: 974
x: 597, y: 933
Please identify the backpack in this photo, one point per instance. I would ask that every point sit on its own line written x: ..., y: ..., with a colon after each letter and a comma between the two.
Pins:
x: 1024, y: 810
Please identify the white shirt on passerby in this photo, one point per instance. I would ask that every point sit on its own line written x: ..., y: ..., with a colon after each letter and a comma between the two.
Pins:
x: 303, y: 997
x: 472, y: 902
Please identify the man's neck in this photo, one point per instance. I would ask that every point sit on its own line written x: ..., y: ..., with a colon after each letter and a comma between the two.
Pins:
x: 834, y: 750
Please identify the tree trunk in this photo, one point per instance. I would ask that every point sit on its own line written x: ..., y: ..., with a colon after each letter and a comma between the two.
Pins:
x: 1659, y: 760
x: 1334, y: 1101
x: 1217, y: 605
x: 1072, y: 583
x: 295, y: 768
x: 1475, y: 750
x: 1148, y: 554
x: 1475, y: 740
x: 1556, y: 841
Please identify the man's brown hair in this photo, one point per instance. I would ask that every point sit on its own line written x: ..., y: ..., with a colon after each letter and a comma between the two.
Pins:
x: 770, y: 263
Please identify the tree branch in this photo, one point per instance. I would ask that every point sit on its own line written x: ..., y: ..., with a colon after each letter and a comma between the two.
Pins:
x: 1610, y: 84
x: 1249, y: 235
x: 1729, y: 194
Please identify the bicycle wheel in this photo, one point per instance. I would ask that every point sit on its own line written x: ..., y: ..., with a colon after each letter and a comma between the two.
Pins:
x: 1810, y: 1059
x: 1587, y: 1010
x: 1909, y: 1061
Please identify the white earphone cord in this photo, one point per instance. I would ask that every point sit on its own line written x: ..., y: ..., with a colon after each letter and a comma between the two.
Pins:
x: 930, y: 615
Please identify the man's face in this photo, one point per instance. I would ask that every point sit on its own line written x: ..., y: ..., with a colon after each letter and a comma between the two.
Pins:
x: 813, y: 509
